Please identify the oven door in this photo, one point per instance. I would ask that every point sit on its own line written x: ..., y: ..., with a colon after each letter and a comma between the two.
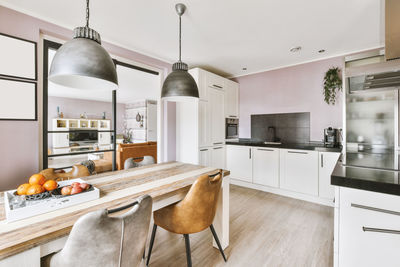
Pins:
x: 231, y: 131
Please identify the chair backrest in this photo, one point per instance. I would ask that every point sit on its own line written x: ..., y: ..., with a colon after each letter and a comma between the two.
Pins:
x: 200, y: 203
x: 130, y: 162
x: 97, y: 239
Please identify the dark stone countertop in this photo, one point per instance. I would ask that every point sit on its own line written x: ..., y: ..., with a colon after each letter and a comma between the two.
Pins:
x: 307, y: 146
x: 370, y: 179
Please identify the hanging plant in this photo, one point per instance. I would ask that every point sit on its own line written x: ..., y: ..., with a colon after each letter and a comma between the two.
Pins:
x: 332, y: 85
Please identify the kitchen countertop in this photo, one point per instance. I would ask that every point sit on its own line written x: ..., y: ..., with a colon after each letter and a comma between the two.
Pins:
x: 306, y: 146
x: 370, y: 179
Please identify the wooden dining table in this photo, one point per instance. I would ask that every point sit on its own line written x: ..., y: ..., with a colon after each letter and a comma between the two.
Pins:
x: 24, y: 242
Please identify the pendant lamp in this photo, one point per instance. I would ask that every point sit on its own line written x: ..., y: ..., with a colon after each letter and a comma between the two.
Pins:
x: 179, y: 84
x: 83, y: 63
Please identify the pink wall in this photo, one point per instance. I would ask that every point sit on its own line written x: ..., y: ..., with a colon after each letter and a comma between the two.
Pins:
x: 19, y: 140
x: 291, y: 89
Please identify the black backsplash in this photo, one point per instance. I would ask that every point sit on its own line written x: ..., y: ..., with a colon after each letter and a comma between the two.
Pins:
x: 289, y: 127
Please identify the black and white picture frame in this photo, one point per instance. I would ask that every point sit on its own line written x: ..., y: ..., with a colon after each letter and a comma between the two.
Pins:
x: 18, y: 58
x: 18, y: 100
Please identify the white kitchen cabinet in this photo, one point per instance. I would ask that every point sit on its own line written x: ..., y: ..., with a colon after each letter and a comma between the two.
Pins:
x: 218, y: 157
x: 239, y: 162
x: 60, y: 140
x: 214, y: 81
x: 327, y: 162
x: 231, y: 99
x: 205, y: 157
x: 266, y: 166
x: 299, y: 171
x: 204, y: 124
x: 217, y: 116
x: 369, y: 228
x: 104, y: 138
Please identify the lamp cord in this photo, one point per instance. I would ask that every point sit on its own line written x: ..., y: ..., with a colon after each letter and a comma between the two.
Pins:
x: 87, y: 13
x: 180, y: 37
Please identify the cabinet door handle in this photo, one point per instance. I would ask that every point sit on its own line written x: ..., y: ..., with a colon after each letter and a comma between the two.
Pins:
x: 231, y: 116
x: 249, y: 153
x: 322, y: 160
x: 217, y: 86
x: 217, y: 148
x: 219, y: 143
x: 264, y: 149
x: 203, y: 149
x: 378, y: 230
x: 375, y: 209
x: 297, y: 152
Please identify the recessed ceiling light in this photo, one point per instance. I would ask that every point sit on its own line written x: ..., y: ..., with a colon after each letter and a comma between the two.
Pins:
x: 244, y: 68
x: 321, y: 51
x: 295, y: 49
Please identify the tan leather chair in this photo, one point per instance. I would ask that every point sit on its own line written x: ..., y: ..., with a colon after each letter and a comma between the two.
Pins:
x: 193, y: 214
x: 97, y: 239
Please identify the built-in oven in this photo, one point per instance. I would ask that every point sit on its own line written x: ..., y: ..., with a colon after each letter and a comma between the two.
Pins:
x: 231, y: 128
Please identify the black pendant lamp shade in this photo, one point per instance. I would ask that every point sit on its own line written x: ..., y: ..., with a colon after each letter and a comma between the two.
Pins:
x: 179, y: 84
x: 83, y: 63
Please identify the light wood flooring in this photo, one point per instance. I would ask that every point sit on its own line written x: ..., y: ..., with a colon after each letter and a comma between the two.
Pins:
x: 265, y: 230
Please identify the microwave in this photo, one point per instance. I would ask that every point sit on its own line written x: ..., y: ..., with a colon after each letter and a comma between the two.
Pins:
x: 231, y: 128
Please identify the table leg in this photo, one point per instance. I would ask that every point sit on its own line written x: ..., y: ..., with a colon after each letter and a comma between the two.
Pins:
x: 221, y: 220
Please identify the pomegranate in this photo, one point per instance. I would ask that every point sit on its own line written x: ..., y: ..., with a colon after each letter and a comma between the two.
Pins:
x: 84, y: 186
x: 66, y: 190
x: 76, y: 190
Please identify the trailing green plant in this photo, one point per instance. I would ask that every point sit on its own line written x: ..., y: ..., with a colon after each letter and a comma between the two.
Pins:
x: 332, y: 85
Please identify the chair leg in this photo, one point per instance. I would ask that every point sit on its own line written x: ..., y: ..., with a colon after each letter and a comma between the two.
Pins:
x: 188, y: 253
x: 217, y: 241
x: 153, y: 236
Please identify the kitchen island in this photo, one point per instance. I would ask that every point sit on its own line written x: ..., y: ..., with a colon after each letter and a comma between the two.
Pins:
x: 24, y: 242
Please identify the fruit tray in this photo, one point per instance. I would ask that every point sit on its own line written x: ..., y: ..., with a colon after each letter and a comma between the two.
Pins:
x: 17, y: 210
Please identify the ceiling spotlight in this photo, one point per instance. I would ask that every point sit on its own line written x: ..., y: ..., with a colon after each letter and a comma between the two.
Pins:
x: 321, y: 51
x: 295, y: 49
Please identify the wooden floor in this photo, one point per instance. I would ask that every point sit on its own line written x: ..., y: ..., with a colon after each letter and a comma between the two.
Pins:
x: 265, y: 230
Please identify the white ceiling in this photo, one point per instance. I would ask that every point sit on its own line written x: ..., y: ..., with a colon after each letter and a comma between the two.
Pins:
x: 226, y: 35
x: 133, y: 85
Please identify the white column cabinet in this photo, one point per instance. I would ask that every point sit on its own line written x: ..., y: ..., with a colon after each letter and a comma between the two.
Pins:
x: 266, y: 166
x: 218, y: 157
x: 217, y: 116
x: 231, y: 99
x: 299, y: 171
x: 327, y: 162
x: 239, y: 162
x: 204, y: 124
x: 205, y: 156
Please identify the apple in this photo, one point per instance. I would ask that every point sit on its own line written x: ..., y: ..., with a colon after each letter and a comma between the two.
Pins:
x: 85, y: 186
x: 66, y: 190
x: 76, y: 190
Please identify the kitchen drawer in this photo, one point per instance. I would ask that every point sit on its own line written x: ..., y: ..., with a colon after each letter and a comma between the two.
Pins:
x: 350, y: 196
x: 369, y: 229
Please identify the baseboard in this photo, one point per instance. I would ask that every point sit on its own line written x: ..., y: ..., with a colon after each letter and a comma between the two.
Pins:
x: 283, y: 192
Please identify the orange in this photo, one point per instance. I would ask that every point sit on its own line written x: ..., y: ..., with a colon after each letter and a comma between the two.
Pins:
x: 37, y: 179
x: 21, y: 190
x: 50, y: 185
x: 35, y: 189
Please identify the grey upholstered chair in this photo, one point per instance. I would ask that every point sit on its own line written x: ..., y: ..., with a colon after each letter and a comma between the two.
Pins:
x: 130, y: 162
x: 97, y: 239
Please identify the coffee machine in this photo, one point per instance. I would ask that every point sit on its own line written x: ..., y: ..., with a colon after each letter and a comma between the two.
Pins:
x: 332, y: 137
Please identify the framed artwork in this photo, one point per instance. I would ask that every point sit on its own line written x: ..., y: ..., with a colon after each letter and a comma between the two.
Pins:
x: 18, y: 58
x: 18, y: 100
